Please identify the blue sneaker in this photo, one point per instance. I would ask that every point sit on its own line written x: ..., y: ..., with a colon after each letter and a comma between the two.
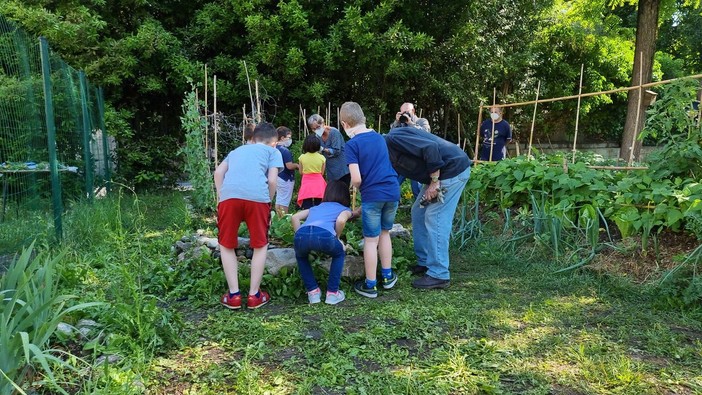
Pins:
x: 314, y: 296
x: 335, y: 297
x: 390, y: 282
x: 360, y: 288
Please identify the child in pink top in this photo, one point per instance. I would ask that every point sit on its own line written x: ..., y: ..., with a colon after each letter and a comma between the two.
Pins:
x: 311, y: 167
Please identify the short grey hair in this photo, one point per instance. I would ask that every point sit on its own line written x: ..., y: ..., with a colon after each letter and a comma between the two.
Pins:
x: 352, y: 114
x: 314, y: 118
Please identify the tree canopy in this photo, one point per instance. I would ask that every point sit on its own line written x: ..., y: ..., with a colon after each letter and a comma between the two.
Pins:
x: 445, y: 56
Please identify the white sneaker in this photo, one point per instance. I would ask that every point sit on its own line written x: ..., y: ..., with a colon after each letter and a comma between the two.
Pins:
x: 314, y: 296
x: 335, y: 298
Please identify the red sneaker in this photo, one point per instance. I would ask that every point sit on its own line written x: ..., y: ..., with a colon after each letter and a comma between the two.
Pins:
x: 233, y: 302
x: 254, y: 302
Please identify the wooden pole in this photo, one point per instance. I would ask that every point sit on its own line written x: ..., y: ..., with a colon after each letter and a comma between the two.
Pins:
x: 258, y: 105
x: 420, y: 112
x: 577, y: 112
x: 243, y: 125
x: 638, y: 112
x: 533, y: 120
x: 328, y: 119
x: 338, y: 122
x: 379, y: 115
x: 625, y: 89
x: 318, y: 107
x: 492, y: 137
x: 216, y: 123
x: 477, y: 132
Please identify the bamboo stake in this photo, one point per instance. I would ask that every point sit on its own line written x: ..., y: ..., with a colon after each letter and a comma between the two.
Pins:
x: 206, y: 120
x: 492, y: 137
x: 318, y: 107
x: 577, y: 112
x: 258, y: 105
x: 638, y: 111
x: 477, y: 133
x: 420, y: 112
x: 625, y: 89
x: 379, y: 115
x: 304, y: 116
x: 533, y: 120
x: 328, y: 119
x: 353, y: 199
x: 459, y: 128
x: 216, y: 124
x: 338, y: 126
x: 248, y: 81
x: 299, y: 117
x: 243, y: 125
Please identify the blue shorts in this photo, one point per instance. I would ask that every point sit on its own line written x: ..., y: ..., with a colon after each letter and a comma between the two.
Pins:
x: 377, y: 216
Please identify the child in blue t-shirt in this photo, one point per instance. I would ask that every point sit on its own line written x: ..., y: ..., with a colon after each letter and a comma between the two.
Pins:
x: 321, y: 231
x: 246, y: 182
x: 371, y: 172
x: 286, y: 178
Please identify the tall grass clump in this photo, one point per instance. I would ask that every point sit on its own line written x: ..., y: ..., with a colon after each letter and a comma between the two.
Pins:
x: 30, y: 309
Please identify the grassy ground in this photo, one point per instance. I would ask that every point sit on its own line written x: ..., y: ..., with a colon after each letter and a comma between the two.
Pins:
x: 502, y: 327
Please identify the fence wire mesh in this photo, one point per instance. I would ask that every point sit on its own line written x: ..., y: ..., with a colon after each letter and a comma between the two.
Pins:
x: 53, y: 148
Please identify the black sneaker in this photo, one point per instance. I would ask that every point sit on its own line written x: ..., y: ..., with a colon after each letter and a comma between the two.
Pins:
x: 360, y: 288
x: 418, y: 269
x: 390, y: 282
x: 429, y: 282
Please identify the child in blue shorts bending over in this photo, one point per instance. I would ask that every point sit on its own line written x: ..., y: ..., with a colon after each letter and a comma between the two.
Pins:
x: 321, y: 231
x: 246, y: 181
x: 371, y: 172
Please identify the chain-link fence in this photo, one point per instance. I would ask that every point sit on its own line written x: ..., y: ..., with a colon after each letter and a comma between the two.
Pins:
x: 53, y: 147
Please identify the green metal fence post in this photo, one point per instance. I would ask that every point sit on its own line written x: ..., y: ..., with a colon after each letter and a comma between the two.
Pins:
x: 105, y: 146
x: 51, y: 138
x: 87, y: 133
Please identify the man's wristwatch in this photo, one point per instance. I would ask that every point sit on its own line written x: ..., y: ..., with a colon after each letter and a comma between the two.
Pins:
x: 434, y: 178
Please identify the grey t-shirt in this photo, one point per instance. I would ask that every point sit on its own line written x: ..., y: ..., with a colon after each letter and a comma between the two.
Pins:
x: 247, y: 173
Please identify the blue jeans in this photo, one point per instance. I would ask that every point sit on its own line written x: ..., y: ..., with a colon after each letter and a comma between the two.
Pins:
x: 432, y: 225
x: 377, y: 216
x: 313, y: 238
x: 416, y: 185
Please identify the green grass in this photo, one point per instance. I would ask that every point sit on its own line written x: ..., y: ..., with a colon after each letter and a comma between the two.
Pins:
x: 502, y: 327
x: 507, y: 324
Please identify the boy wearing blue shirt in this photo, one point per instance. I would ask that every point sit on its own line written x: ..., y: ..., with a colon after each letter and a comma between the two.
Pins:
x: 371, y: 172
x: 246, y: 182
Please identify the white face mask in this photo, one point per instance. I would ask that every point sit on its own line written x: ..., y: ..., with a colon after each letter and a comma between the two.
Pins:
x: 287, y: 143
x: 495, y: 116
x: 319, y: 131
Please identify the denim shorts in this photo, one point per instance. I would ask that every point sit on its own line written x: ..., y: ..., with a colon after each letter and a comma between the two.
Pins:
x: 377, y: 216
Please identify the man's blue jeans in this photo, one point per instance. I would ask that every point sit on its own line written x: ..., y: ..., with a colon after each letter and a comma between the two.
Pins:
x: 432, y: 225
x: 313, y: 238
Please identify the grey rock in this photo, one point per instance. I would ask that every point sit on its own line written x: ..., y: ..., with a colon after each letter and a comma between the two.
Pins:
x: 279, y: 258
x: 244, y: 242
x: 65, y: 329
x: 181, y: 257
x: 107, y: 358
x: 399, y: 231
x: 353, y: 266
x: 213, y: 243
x: 84, y: 323
x: 85, y: 331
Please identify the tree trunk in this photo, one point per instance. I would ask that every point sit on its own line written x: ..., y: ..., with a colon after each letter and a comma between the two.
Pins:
x: 646, y: 32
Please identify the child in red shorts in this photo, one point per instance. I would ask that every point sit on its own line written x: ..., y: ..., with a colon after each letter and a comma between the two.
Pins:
x: 246, y: 182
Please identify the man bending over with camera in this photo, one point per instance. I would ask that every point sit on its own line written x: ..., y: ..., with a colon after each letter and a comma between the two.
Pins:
x: 407, y: 117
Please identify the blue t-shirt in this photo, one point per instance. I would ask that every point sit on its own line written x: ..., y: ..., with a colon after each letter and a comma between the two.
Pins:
x: 503, y: 132
x: 324, y: 216
x: 247, y: 173
x: 378, y: 178
x: 286, y: 174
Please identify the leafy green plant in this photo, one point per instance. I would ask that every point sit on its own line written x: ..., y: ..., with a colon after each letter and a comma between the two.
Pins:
x: 197, y: 164
x: 30, y: 309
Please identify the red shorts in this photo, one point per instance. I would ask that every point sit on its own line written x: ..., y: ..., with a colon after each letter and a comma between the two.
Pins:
x: 230, y: 214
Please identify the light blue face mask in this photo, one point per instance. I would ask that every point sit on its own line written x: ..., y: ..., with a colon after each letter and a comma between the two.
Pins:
x: 319, y: 131
x: 287, y: 143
